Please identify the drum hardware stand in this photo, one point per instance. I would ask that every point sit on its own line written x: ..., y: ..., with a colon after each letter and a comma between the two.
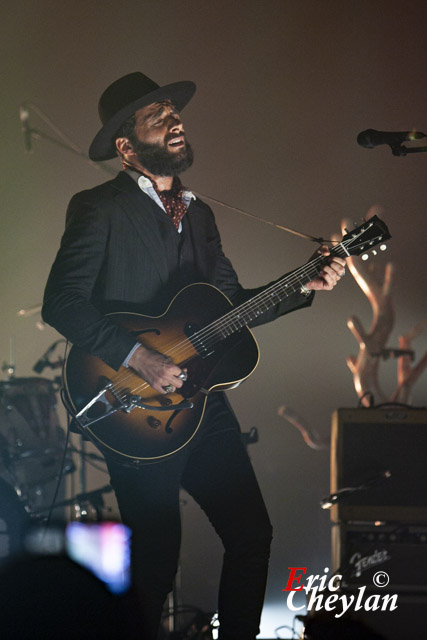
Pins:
x: 83, y: 508
x: 10, y: 366
x: 80, y: 513
x: 31, y: 311
x: 85, y: 501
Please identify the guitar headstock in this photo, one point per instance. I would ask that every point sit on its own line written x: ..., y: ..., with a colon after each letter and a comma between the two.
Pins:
x: 368, y: 235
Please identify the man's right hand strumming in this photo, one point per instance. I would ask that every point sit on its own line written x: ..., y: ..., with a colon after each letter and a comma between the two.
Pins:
x: 158, y: 370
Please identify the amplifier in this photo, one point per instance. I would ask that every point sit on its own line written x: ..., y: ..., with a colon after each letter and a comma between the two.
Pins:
x: 359, y: 552
x: 407, y: 621
x: 366, y: 443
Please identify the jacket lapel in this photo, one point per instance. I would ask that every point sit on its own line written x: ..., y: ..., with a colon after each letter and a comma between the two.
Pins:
x: 196, y: 222
x: 141, y: 212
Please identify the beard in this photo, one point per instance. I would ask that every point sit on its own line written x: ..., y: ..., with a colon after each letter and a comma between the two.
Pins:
x: 159, y: 161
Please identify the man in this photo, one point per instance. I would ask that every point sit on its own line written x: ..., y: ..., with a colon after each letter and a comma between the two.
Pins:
x: 130, y: 245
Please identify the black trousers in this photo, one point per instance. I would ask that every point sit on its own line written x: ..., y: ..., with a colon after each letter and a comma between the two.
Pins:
x: 215, y: 469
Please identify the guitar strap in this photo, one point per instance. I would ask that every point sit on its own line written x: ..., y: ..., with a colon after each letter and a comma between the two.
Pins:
x: 300, y: 234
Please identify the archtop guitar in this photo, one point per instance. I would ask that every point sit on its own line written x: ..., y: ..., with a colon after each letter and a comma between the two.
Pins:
x: 200, y: 331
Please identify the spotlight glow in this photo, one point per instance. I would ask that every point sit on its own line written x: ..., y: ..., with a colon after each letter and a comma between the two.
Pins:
x: 278, y: 617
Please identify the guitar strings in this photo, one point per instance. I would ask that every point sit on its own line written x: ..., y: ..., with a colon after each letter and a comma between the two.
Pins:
x: 209, y: 335
x: 264, y: 297
x: 211, y: 330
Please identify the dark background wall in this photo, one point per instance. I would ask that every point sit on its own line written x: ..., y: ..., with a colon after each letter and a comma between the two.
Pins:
x: 283, y: 90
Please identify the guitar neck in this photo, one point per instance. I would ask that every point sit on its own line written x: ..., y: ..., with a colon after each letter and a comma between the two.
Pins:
x: 356, y: 242
x: 248, y: 311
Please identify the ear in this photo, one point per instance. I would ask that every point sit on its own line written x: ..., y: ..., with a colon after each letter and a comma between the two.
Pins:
x: 124, y: 146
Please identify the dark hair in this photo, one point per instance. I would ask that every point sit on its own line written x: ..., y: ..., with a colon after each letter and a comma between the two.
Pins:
x: 127, y: 129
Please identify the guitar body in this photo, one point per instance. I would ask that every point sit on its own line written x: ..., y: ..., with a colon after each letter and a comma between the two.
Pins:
x: 200, y: 331
x: 144, y: 435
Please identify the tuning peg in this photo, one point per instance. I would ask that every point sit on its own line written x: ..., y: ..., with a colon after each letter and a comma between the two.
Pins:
x: 383, y: 247
x: 365, y: 256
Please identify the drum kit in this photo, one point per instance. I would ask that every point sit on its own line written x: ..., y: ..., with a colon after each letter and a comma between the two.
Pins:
x: 34, y: 457
x: 31, y: 439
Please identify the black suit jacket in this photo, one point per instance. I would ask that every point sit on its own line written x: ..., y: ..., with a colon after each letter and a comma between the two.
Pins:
x: 112, y: 258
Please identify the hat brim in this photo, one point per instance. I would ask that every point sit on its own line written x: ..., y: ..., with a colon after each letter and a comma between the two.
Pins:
x: 103, y: 144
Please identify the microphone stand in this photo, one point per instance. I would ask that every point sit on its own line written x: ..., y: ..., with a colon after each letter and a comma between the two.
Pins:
x: 41, y: 135
x: 401, y: 150
x: 334, y: 498
x: 69, y: 146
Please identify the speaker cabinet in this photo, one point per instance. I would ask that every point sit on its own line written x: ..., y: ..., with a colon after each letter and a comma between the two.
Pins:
x: 365, y: 443
x: 359, y: 552
x: 407, y: 622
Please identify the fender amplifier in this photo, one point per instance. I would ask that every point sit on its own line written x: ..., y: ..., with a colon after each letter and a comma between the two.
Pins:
x: 391, y: 558
x: 367, y: 445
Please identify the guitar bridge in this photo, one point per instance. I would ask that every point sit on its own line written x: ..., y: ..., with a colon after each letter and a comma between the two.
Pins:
x: 100, y: 407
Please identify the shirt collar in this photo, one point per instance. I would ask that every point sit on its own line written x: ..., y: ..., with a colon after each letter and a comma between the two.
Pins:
x: 145, y: 184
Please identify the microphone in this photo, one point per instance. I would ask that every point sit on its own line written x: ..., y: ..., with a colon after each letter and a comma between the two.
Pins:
x: 371, y: 138
x: 25, y: 128
x: 334, y: 498
x: 41, y: 364
x: 44, y: 361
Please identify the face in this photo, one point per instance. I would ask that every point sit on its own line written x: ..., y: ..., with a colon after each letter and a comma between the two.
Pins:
x: 159, y: 141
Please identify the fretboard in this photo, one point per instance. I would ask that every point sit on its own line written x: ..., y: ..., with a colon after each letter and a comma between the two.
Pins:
x: 245, y: 313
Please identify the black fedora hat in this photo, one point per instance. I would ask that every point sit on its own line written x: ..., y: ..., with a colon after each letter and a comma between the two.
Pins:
x: 125, y: 96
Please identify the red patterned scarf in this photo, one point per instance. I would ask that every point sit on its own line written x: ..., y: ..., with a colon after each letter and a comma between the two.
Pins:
x: 172, y: 201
